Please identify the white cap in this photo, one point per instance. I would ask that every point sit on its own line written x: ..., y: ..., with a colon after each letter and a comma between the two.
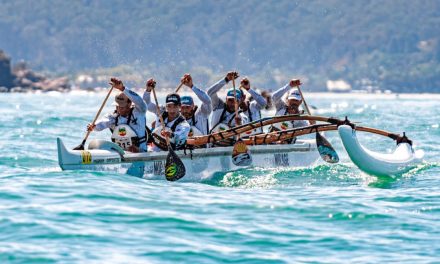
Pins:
x: 122, y: 100
x: 294, y: 94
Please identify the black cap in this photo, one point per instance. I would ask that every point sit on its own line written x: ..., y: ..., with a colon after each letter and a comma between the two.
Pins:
x: 173, y: 98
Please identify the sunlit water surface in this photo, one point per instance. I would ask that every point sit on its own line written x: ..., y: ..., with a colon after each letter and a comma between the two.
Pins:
x: 326, y: 213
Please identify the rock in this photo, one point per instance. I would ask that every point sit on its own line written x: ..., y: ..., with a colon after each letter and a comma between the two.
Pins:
x: 21, y: 71
x: 22, y: 79
x: 6, y: 76
x: 59, y: 84
x: 17, y: 90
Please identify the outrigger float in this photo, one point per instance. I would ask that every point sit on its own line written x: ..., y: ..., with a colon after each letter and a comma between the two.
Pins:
x: 265, y: 151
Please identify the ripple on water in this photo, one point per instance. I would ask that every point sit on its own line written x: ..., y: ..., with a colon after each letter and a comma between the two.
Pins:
x: 325, y: 213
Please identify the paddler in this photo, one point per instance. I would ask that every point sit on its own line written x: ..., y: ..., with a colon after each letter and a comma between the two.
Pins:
x: 223, y: 116
x: 127, y: 122
x: 289, y: 106
x: 197, y: 117
x: 176, y: 127
x: 252, y: 107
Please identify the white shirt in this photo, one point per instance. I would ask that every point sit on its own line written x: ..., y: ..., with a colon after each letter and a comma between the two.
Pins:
x: 137, y: 121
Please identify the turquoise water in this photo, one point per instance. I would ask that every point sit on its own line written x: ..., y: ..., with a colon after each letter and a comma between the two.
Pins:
x: 324, y: 214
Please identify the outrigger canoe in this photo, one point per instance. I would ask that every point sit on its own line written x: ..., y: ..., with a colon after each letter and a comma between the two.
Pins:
x: 205, y: 162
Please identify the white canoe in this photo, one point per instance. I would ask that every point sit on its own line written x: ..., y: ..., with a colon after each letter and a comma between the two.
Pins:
x: 202, y: 164
x: 401, y: 160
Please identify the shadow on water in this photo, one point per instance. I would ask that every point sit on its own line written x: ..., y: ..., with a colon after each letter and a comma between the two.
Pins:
x: 407, y: 178
x: 385, y: 182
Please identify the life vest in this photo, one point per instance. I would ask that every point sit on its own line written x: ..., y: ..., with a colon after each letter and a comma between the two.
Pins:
x: 220, y: 126
x: 157, y: 138
x: 283, y: 125
x: 179, y: 120
x: 251, y: 118
x: 194, y: 132
x: 124, y: 135
x: 193, y: 123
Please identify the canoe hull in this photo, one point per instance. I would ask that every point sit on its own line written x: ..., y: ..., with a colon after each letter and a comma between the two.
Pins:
x: 200, y: 164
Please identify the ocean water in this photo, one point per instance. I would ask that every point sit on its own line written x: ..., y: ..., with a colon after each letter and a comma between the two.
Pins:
x: 322, y: 214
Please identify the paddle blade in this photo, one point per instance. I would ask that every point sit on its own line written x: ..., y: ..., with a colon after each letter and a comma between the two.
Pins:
x: 325, y: 149
x: 80, y: 146
x: 174, y: 167
x: 241, y: 156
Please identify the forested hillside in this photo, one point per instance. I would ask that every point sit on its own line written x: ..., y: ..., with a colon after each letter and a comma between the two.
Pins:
x: 390, y: 44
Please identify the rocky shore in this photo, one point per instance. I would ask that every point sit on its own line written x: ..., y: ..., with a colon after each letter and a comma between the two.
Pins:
x: 19, y: 78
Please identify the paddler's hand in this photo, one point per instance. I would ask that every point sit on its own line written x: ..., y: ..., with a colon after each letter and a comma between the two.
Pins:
x: 238, y: 121
x: 90, y: 127
x: 116, y: 83
x: 231, y: 75
x: 151, y: 83
x: 245, y: 84
x: 133, y: 149
x: 165, y: 133
x: 295, y: 83
x: 187, y: 80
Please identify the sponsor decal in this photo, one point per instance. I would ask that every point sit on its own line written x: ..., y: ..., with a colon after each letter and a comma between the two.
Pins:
x: 112, y: 160
x: 240, y: 154
x: 149, y: 169
x: 284, y: 126
x: 98, y: 161
x: 122, y: 132
x: 158, y: 168
x: 171, y: 171
x: 281, y: 159
x: 240, y: 148
x: 86, y: 157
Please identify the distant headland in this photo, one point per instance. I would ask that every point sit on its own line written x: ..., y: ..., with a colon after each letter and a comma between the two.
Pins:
x: 19, y: 78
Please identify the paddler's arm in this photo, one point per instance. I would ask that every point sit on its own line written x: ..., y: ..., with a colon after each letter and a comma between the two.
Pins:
x: 109, y: 120
x: 259, y: 99
x: 206, y: 107
x: 278, y: 95
x: 133, y: 96
x: 103, y: 123
x: 139, y: 103
x: 151, y: 107
x: 212, y: 91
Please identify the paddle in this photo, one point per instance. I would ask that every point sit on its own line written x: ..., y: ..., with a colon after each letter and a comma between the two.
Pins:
x: 325, y: 149
x: 178, y: 87
x: 81, y: 146
x: 241, y: 156
x: 174, y: 167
